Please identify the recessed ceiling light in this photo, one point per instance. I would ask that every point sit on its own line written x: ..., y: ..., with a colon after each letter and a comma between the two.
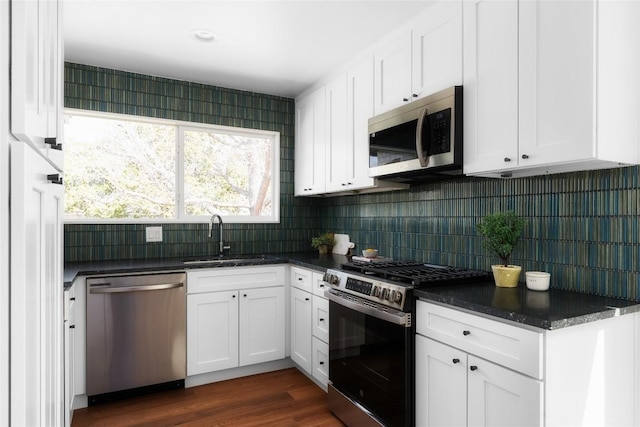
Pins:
x: 203, y: 35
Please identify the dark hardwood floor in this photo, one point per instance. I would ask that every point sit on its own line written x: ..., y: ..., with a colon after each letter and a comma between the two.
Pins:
x: 281, y: 398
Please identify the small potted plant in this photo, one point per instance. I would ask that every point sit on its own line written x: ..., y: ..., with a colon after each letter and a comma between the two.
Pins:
x: 501, y: 232
x: 323, y: 243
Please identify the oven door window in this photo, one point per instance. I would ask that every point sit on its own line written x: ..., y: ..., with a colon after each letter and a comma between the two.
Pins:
x: 369, y: 362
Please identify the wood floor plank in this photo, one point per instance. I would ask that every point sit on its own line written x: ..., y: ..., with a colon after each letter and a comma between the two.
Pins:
x: 280, y: 398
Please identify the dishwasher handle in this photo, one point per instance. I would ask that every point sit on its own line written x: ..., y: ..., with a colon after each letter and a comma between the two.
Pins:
x: 107, y: 289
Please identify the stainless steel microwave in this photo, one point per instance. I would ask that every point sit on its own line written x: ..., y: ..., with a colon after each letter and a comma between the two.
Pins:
x: 418, y: 141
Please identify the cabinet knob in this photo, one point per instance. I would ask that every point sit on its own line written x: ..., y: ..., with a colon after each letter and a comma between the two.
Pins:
x: 473, y: 367
x: 322, y: 363
x: 415, y: 95
x: 506, y: 175
x: 233, y: 296
x: 405, y: 99
x: 245, y: 295
x: 322, y: 286
x: 321, y: 319
x: 306, y: 299
x: 299, y: 279
x: 465, y: 333
x: 72, y: 299
x: 456, y: 360
x: 72, y: 326
x: 525, y: 156
x: 507, y: 159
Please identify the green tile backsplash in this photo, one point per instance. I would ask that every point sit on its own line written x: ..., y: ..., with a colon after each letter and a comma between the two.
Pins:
x: 581, y: 227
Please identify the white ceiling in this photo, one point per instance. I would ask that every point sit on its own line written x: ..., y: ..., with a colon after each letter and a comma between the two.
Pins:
x: 267, y: 46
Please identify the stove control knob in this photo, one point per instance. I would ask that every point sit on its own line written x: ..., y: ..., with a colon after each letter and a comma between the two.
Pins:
x: 333, y: 279
x: 385, y: 293
x: 376, y: 291
x: 397, y: 297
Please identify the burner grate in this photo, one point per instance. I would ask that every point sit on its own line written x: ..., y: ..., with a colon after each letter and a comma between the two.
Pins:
x: 417, y: 274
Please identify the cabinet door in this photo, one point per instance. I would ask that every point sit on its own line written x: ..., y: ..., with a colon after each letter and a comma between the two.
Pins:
x: 437, y: 49
x: 37, y: 331
x: 490, y: 85
x: 212, y: 331
x: 34, y: 71
x: 556, y: 86
x: 310, y: 144
x: 392, y: 74
x: 501, y: 397
x: 441, y: 384
x: 301, y: 328
x: 321, y: 318
x: 359, y: 110
x: 262, y: 325
x: 320, y: 361
x: 338, y: 146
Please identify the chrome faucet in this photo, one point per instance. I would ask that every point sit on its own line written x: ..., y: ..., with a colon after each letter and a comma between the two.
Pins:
x: 220, y: 229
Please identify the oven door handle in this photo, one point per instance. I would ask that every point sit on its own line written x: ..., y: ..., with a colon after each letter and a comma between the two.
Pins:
x: 396, y: 317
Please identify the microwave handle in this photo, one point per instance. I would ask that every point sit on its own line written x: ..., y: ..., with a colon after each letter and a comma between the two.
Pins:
x: 424, y: 160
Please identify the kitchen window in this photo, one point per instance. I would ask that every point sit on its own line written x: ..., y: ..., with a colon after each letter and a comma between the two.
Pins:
x: 131, y: 169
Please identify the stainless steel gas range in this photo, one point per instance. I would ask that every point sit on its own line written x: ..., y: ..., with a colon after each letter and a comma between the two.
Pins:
x: 371, y: 335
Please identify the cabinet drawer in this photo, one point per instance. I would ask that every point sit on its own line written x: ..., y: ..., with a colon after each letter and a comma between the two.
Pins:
x: 320, y: 361
x: 514, y: 347
x: 321, y: 318
x: 234, y: 278
x: 302, y: 279
x: 318, y: 284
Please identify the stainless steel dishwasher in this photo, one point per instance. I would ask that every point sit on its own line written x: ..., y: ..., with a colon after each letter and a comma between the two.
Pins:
x: 136, y: 334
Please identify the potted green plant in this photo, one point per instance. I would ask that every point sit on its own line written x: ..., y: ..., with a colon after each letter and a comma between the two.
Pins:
x: 502, y: 231
x: 323, y: 243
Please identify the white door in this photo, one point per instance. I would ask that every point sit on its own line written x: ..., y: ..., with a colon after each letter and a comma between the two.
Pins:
x: 437, y: 49
x: 338, y: 146
x: 262, y: 325
x: 310, y: 144
x: 392, y: 74
x: 359, y: 111
x: 34, y: 71
x: 37, y: 364
x: 301, y: 328
x: 441, y: 384
x: 501, y: 397
x: 556, y: 87
x: 212, y: 331
x: 490, y: 85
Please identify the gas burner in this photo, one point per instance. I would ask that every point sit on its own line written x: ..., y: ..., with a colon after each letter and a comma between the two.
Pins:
x: 416, y: 273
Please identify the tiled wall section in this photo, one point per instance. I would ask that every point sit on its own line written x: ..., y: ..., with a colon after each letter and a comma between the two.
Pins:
x: 581, y: 227
x: 100, y: 89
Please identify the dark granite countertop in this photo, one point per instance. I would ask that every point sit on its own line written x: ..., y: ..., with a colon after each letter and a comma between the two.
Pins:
x: 312, y: 260
x: 552, y: 309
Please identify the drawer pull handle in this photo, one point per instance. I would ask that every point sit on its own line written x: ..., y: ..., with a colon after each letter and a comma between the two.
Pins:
x: 473, y: 368
x: 306, y: 299
x: 465, y: 333
x: 299, y: 279
x: 322, y: 363
x: 321, y: 319
x: 456, y: 360
x: 233, y: 296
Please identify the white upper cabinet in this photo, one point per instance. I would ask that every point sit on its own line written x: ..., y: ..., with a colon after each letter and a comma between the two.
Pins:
x: 437, y: 49
x: 393, y: 73
x: 310, y: 144
x: 550, y: 86
x: 422, y: 59
x: 36, y: 75
x: 338, y: 148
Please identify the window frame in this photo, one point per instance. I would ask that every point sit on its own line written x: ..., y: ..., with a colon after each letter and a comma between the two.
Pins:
x: 180, y: 215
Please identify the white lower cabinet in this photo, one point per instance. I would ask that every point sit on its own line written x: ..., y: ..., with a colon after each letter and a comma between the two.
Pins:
x: 310, y: 324
x: 240, y: 324
x: 69, y: 356
x: 453, y: 387
x: 476, y: 371
x: 301, y: 328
